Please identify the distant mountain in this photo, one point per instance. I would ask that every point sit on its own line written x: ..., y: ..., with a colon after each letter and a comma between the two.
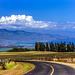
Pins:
x: 7, y: 36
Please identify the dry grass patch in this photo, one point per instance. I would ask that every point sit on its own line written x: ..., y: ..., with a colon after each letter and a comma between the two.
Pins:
x: 30, y: 52
x: 31, y: 55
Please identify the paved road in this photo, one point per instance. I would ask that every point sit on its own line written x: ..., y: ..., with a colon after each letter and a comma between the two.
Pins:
x: 46, y: 68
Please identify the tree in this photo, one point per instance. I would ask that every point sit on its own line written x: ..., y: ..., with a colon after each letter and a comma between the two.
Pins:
x: 15, y: 49
x: 64, y: 44
x: 62, y: 47
x: 56, y: 47
x: 68, y: 48
x: 47, y: 47
x: 36, y: 46
x: 72, y: 47
x: 41, y: 46
x: 59, y: 47
x: 52, y: 46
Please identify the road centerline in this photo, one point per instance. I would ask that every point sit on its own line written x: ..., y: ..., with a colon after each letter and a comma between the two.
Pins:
x: 52, y: 69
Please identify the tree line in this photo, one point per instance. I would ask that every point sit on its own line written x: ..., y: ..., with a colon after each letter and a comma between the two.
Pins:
x: 16, y: 49
x: 55, y: 47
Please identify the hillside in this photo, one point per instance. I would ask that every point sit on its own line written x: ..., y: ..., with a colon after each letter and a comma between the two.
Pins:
x: 7, y: 36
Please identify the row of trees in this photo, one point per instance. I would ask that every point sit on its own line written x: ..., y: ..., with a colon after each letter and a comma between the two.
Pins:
x: 15, y: 49
x: 56, y: 47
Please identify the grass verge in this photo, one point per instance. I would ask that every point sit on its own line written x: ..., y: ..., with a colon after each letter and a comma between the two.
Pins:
x: 19, y: 69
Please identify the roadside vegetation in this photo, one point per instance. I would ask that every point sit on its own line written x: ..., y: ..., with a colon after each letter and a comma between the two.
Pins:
x: 6, y: 66
x: 10, y: 65
x: 16, y: 69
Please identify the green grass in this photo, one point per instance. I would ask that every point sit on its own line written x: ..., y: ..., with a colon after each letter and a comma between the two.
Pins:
x: 27, y: 66
x: 10, y: 65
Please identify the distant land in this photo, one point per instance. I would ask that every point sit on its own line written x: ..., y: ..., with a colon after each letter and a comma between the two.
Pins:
x: 8, y: 37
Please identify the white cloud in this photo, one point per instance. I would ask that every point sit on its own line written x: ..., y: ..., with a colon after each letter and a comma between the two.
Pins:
x: 23, y: 21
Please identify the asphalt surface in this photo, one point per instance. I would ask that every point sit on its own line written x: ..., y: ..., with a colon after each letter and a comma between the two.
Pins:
x: 46, y: 68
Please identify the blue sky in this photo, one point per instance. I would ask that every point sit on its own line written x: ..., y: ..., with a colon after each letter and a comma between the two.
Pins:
x: 44, y: 10
x: 34, y: 15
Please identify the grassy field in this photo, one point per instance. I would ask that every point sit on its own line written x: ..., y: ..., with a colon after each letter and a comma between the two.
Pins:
x: 19, y: 69
x: 35, y: 54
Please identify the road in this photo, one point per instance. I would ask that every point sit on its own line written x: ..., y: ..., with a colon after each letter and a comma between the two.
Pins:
x: 46, y: 68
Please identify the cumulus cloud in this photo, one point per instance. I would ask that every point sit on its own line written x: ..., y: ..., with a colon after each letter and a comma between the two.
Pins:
x: 23, y: 21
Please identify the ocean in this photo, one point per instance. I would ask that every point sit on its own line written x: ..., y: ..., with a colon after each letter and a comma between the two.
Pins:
x: 4, y: 49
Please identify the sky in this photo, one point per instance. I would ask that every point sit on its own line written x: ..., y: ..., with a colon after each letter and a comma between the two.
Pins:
x: 37, y: 14
x: 44, y: 10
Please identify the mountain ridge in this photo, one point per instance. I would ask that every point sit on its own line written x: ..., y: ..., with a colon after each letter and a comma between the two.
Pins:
x: 18, y: 36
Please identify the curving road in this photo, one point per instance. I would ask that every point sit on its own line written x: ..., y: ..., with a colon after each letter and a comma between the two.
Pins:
x: 46, y: 68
